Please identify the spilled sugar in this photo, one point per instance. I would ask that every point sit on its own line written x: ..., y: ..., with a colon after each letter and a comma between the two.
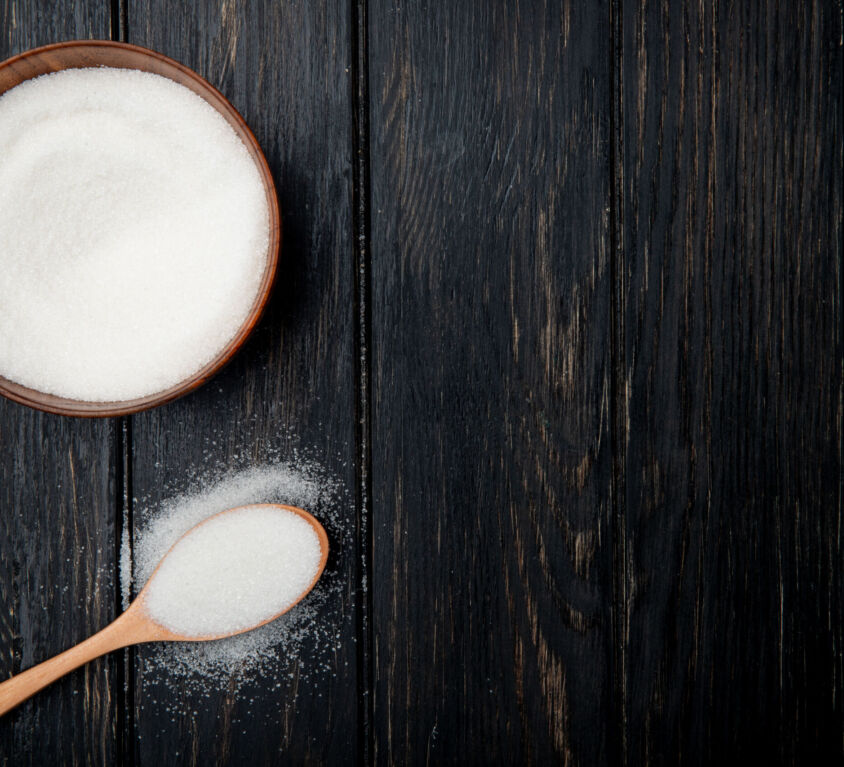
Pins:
x: 234, y: 571
x: 311, y: 628
x: 133, y: 231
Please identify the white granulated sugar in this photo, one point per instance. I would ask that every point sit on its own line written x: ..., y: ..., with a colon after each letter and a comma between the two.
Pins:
x: 311, y: 628
x: 234, y: 571
x: 133, y: 233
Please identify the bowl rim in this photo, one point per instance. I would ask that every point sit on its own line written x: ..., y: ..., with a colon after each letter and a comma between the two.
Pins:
x: 52, y: 403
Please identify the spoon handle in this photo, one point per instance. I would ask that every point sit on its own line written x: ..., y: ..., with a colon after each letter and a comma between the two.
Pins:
x: 114, y: 636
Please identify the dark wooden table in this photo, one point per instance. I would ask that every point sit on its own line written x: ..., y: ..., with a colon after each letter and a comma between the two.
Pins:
x: 560, y: 304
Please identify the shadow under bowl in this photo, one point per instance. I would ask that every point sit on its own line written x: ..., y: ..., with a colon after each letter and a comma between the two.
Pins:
x: 101, y: 53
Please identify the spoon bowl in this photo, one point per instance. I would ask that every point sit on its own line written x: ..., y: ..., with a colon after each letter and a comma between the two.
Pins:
x: 139, y: 604
x: 136, y: 625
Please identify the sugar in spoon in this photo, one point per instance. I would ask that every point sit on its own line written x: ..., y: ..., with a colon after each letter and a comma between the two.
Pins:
x: 137, y: 624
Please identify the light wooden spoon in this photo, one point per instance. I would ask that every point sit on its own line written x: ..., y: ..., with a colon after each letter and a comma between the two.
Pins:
x: 135, y: 626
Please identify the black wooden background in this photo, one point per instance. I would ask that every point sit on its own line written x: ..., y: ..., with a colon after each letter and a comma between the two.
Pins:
x: 560, y: 303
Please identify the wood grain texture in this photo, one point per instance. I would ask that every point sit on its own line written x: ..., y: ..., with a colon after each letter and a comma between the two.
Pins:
x: 284, y: 66
x: 732, y: 244
x: 490, y: 337
x: 601, y: 373
x: 57, y: 536
x: 57, y: 581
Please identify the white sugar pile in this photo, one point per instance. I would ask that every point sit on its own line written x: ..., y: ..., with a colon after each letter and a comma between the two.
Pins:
x: 133, y: 232
x: 312, y: 628
x: 234, y: 571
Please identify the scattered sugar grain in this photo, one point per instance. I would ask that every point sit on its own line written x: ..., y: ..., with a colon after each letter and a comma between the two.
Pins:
x: 302, y: 642
x: 234, y: 571
x: 133, y: 231
x: 125, y: 566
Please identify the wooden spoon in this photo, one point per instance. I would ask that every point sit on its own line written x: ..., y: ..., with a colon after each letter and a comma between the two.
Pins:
x: 134, y: 626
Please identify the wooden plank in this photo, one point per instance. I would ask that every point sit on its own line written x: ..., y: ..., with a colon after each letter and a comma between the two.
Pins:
x: 58, y: 560
x: 57, y: 512
x: 284, y: 66
x: 491, y: 328
x: 732, y: 245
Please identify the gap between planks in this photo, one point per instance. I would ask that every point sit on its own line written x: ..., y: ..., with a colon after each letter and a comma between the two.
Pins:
x: 618, y: 393
x: 125, y: 674
x: 363, y: 399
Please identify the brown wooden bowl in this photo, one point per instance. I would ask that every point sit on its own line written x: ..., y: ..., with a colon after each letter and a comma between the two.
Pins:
x: 95, y: 53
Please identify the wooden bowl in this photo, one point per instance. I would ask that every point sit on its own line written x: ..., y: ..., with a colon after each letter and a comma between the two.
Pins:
x: 96, y: 53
